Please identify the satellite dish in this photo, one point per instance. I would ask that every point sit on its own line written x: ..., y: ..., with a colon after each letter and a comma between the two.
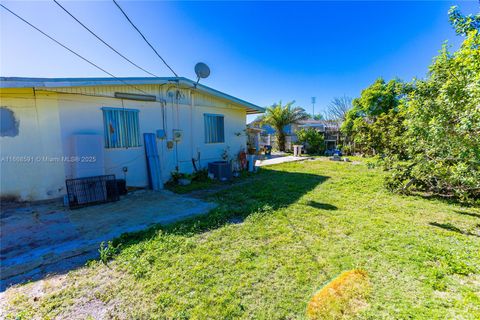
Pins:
x: 202, y: 71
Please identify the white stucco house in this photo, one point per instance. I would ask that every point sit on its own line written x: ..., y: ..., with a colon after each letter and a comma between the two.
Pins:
x: 58, y: 129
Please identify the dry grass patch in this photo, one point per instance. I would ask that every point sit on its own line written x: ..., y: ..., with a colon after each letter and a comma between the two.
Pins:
x: 344, y: 296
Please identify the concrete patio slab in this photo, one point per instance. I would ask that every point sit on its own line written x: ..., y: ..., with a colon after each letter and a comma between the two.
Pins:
x: 45, y: 238
x: 278, y: 160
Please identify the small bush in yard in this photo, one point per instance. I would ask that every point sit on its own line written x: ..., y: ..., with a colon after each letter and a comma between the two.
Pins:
x: 343, y: 296
x: 107, y: 251
x: 313, y: 139
x: 200, y: 175
x: 175, y: 176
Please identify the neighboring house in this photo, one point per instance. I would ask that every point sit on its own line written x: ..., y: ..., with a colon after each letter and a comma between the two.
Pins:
x: 330, y: 128
x: 57, y: 129
x: 333, y: 136
x: 263, y: 134
x: 311, y: 123
x: 254, y: 138
x: 267, y: 129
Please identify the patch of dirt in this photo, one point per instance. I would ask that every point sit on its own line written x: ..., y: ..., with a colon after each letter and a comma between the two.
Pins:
x: 93, y: 308
x: 94, y: 296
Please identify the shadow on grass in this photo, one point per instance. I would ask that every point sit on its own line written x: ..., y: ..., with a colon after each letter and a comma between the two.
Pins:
x: 265, y: 192
x: 323, y: 206
x: 466, y: 213
x: 202, y: 188
x: 451, y: 227
x: 447, y: 199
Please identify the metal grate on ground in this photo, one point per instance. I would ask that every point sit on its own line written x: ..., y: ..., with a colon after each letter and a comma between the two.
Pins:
x: 89, y: 191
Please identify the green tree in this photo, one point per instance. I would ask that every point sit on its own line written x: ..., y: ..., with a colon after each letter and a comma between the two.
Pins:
x: 312, y: 138
x: 463, y: 24
x: 443, y: 123
x: 381, y: 101
x: 279, y: 117
x: 318, y: 116
x: 389, y: 129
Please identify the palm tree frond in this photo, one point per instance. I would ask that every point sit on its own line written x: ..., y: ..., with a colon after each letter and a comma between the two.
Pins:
x: 279, y: 117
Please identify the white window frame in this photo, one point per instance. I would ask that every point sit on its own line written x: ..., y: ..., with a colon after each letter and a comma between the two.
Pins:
x: 122, y: 129
x: 213, y: 134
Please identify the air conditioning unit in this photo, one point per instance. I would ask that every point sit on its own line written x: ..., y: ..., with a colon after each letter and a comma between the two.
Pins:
x: 177, y: 135
x: 220, y: 170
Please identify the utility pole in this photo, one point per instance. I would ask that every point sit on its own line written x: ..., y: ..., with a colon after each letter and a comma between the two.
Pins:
x: 313, y: 107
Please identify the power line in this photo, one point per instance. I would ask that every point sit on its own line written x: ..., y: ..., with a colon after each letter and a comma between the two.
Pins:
x: 67, y: 48
x: 141, y: 34
x: 104, y: 42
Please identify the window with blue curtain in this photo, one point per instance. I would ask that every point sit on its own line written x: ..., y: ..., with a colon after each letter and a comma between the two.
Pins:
x: 121, y: 128
x: 214, y: 128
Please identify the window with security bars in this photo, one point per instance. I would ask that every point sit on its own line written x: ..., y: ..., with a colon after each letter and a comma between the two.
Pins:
x: 121, y: 128
x: 214, y: 128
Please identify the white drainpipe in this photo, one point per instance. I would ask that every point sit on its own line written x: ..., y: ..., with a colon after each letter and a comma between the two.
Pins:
x: 192, y: 104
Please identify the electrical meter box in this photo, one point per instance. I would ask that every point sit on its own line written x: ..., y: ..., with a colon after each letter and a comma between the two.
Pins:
x: 161, y: 134
x: 177, y: 135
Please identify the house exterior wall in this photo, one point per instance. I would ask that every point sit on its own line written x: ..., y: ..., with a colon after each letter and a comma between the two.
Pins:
x: 48, y: 120
x: 31, y: 166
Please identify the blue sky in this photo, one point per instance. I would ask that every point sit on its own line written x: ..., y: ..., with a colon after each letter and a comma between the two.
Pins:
x: 262, y: 52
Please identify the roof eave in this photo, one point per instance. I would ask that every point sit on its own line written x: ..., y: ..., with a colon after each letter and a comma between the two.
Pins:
x: 18, y: 82
x: 251, y: 108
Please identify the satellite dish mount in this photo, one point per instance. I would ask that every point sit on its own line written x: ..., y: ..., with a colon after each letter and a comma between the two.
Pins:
x: 202, y: 71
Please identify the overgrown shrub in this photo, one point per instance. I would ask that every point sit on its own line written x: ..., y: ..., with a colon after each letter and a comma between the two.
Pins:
x: 200, y: 175
x: 428, y: 131
x: 175, y: 176
x: 443, y: 121
x: 313, y: 140
x: 347, y: 150
x: 375, y: 123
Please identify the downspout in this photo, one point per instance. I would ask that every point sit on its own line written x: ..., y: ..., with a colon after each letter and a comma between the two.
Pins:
x: 163, y: 104
x: 192, y: 103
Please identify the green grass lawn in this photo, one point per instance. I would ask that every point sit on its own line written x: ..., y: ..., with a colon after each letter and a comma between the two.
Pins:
x: 271, y: 244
